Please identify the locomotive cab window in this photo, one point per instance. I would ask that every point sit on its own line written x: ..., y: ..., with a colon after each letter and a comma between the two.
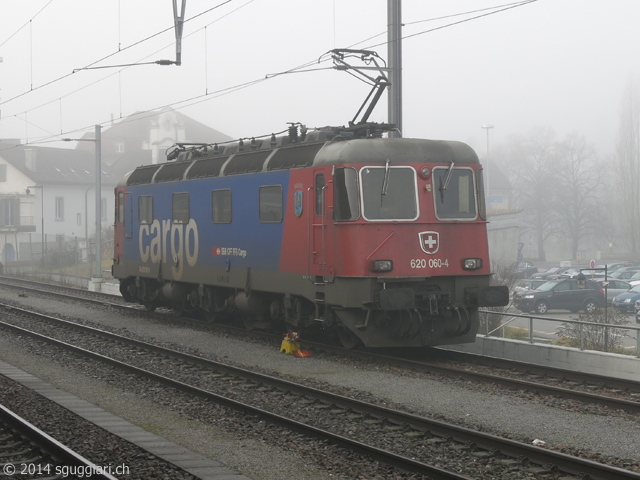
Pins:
x: 346, y: 206
x: 389, y: 193
x: 145, y: 209
x: 271, y: 204
x: 221, y: 206
x: 453, y: 192
x: 180, y: 208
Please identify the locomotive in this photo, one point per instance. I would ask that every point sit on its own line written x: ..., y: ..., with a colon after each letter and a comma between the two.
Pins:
x: 379, y: 241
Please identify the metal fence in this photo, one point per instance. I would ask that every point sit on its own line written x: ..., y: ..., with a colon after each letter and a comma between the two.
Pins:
x: 508, y: 318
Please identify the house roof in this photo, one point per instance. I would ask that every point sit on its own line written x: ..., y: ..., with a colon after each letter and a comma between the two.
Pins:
x: 60, y: 166
x: 54, y: 166
x: 138, y: 125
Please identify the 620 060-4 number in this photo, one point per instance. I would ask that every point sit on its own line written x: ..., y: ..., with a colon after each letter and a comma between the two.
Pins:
x: 430, y: 263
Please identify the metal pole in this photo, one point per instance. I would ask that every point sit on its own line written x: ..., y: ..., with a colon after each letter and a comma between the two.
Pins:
x: 98, y: 271
x: 394, y: 52
x: 42, y: 219
x: 487, y: 193
x: 606, y: 312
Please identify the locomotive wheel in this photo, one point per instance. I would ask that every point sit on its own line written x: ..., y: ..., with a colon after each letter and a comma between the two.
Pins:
x: 249, y: 322
x: 348, y: 339
x: 149, y: 306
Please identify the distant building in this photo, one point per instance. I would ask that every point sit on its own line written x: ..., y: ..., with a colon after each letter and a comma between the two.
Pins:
x: 47, y: 195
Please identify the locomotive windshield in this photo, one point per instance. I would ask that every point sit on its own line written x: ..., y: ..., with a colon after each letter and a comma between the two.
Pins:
x: 389, y: 193
x: 453, y: 192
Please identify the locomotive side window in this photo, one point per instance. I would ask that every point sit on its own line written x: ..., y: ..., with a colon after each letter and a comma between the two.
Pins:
x: 271, y: 204
x: 320, y: 183
x: 453, y: 191
x: 120, y: 207
x: 180, y: 208
x: 389, y: 193
x: 221, y: 206
x: 346, y: 206
x: 145, y: 209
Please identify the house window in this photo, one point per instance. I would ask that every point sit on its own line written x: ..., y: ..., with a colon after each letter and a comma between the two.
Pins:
x: 59, y: 208
x: 9, y: 212
x: 221, y: 206
x: 180, y: 208
x: 271, y: 204
x: 3, y: 173
x: 145, y: 209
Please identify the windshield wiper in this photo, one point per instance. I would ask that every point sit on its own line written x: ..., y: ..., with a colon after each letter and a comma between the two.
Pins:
x: 385, y: 182
x: 443, y: 186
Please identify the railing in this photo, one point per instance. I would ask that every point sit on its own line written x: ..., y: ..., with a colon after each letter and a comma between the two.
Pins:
x: 581, y: 325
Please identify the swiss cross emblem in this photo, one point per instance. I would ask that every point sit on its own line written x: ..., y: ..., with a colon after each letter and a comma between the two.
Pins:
x: 429, y: 242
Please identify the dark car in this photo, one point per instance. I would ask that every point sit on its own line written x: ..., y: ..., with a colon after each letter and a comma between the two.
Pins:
x: 625, y: 302
x: 550, y: 272
x: 525, y: 284
x: 522, y: 269
x: 563, y: 294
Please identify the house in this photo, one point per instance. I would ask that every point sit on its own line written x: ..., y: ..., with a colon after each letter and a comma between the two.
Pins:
x: 47, y: 195
x: 47, y: 200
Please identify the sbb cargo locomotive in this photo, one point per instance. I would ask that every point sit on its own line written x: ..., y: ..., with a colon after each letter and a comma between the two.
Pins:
x: 380, y: 240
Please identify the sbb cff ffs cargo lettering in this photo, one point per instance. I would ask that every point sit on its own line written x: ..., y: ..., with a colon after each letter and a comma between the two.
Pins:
x: 381, y: 241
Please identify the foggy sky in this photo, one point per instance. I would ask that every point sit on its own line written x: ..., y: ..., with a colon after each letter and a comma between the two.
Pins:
x: 557, y: 63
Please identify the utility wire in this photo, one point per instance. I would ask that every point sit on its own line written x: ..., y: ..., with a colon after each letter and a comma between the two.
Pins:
x: 225, y: 91
x: 26, y: 23
x: 107, y: 56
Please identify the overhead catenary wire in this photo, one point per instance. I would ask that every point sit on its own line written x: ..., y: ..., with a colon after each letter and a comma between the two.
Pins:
x: 303, y: 68
x: 120, y: 50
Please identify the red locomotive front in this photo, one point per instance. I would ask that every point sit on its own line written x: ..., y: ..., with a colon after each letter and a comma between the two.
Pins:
x: 397, y: 242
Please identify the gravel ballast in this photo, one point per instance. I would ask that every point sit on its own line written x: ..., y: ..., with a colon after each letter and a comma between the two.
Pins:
x: 483, y: 407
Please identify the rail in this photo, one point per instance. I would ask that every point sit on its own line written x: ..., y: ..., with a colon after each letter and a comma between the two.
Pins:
x: 581, y: 327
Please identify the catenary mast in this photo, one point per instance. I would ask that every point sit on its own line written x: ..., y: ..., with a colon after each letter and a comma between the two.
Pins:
x: 394, y: 54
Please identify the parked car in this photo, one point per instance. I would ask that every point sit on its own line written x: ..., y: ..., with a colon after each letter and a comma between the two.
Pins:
x: 625, y: 273
x: 615, y: 288
x: 522, y: 269
x: 569, y: 273
x: 562, y: 294
x: 625, y: 302
x: 635, y: 280
x: 551, y: 271
x: 526, y: 284
x: 612, y: 267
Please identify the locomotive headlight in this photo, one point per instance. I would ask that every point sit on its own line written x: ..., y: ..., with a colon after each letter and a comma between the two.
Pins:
x: 382, y: 265
x: 472, y: 263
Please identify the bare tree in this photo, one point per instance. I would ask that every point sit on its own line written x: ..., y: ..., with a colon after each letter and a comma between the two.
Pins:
x: 577, y: 179
x: 628, y: 164
x: 532, y: 170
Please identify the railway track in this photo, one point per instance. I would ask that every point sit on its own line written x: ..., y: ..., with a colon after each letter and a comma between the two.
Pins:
x: 27, y: 452
x: 403, y: 440
x: 611, y: 393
